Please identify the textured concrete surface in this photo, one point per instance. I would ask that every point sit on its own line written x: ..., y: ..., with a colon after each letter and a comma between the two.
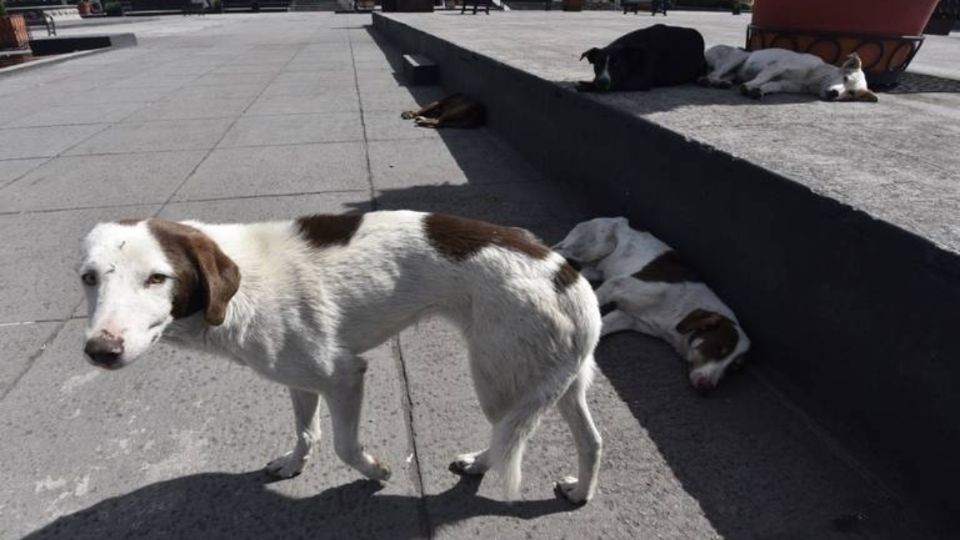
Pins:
x: 860, y: 141
x: 173, y: 446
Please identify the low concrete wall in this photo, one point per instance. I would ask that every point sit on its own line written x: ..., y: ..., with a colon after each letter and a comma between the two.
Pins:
x: 853, y: 315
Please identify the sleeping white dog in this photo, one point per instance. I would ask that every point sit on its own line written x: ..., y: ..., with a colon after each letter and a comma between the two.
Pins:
x: 656, y: 294
x: 770, y: 71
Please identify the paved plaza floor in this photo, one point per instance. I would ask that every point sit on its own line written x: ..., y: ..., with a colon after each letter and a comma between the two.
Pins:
x: 243, y: 118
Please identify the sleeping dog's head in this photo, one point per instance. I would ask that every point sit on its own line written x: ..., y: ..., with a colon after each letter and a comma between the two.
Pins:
x: 714, y: 342
x: 139, y: 276
x: 592, y: 240
x: 848, y: 83
x: 618, y: 68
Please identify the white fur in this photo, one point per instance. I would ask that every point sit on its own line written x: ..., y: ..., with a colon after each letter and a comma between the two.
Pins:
x: 303, y: 315
x: 612, y: 252
x: 769, y: 71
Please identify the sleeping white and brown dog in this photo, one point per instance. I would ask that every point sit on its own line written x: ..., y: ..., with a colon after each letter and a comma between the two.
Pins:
x: 657, y: 294
x: 298, y: 301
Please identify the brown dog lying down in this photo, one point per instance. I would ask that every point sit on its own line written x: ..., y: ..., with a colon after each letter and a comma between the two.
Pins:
x: 453, y: 111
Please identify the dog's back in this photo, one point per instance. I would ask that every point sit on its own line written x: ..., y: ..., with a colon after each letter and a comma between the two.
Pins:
x: 676, y: 51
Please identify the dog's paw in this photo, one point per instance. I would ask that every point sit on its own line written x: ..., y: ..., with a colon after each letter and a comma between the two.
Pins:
x: 408, y: 115
x: 286, y: 466
x: 569, y: 488
x: 378, y: 471
x: 721, y: 84
x: 468, y: 465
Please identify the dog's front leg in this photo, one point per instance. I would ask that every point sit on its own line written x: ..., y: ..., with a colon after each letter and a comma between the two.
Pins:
x: 308, y: 434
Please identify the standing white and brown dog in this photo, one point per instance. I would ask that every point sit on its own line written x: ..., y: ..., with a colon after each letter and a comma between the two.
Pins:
x: 298, y: 302
x: 657, y: 294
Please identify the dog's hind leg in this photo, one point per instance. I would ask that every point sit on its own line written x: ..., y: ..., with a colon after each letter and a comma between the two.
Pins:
x: 344, y: 398
x: 308, y: 434
x: 789, y: 87
x: 573, y: 407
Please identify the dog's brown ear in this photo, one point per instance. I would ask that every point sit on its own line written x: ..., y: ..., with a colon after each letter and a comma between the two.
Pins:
x: 206, y: 279
x: 866, y: 95
x: 590, y: 55
x: 852, y: 63
x: 699, y: 319
x: 220, y: 276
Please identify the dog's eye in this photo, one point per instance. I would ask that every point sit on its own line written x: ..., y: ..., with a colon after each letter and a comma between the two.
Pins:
x: 156, y: 279
x: 89, y: 279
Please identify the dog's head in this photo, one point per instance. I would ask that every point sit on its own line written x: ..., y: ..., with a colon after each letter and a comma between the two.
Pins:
x: 618, y: 67
x: 592, y: 240
x: 715, y: 342
x: 139, y: 276
x: 849, y: 83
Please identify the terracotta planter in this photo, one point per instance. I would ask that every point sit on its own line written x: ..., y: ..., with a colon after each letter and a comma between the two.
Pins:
x: 573, y: 5
x: 885, y: 33
x: 13, y: 32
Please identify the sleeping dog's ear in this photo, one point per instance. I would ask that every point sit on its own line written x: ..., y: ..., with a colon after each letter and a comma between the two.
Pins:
x: 865, y: 95
x: 206, y: 279
x: 852, y: 63
x: 699, y: 319
x: 590, y: 55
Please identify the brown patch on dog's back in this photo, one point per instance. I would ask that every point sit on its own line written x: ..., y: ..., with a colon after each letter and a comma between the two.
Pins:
x: 324, y: 230
x: 458, y: 238
x: 566, y: 276
x: 128, y: 221
x: 717, y: 333
x: 668, y: 267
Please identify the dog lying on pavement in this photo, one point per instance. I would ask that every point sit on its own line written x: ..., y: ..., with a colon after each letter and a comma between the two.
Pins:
x: 770, y: 71
x: 660, y: 55
x: 298, y: 301
x: 453, y: 111
x: 657, y: 294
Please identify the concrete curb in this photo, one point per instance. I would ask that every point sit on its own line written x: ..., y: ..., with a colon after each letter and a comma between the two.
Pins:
x: 847, y: 311
x: 13, y: 70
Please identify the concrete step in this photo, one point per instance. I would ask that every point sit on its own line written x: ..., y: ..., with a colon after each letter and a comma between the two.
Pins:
x: 831, y: 244
x: 316, y: 5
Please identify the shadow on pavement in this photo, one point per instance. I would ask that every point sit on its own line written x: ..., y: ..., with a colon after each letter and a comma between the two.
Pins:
x: 223, y: 505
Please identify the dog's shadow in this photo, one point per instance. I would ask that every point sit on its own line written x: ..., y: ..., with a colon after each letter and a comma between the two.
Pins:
x: 243, y: 505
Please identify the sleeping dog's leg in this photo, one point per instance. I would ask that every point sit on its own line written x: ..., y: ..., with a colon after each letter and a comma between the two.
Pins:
x: 308, y: 434
x: 344, y: 397
x: 426, y: 111
x: 782, y: 86
x: 753, y: 88
x: 616, y: 321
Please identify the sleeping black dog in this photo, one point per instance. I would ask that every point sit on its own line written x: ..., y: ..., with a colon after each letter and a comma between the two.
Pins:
x: 660, y: 55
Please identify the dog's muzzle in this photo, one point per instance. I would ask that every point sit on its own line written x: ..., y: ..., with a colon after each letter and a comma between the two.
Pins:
x: 105, y: 351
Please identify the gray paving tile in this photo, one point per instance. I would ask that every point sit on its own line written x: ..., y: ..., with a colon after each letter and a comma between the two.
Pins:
x: 20, y: 343
x: 310, y: 89
x: 76, y: 114
x: 12, y: 169
x: 90, y: 181
x: 268, y: 208
x: 465, y: 158
x: 294, y: 129
x: 175, y: 108
x: 333, y: 102
x: 229, y: 79
x: 271, y: 170
x: 156, y: 136
x: 38, y: 261
x: 181, y: 426
x: 42, y: 141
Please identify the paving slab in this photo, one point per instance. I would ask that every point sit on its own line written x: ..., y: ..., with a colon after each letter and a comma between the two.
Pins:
x: 294, y: 129
x: 21, y: 344
x: 197, y: 134
x: 11, y: 169
x: 19, y: 143
x: 274, y: 170
x: 126, y: 179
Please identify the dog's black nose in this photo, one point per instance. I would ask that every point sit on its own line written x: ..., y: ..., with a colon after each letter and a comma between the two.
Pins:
x: 833, y: 94
x: 104, y: 350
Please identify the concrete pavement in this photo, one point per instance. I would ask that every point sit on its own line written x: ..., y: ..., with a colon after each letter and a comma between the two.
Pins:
x: 258, y: 117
